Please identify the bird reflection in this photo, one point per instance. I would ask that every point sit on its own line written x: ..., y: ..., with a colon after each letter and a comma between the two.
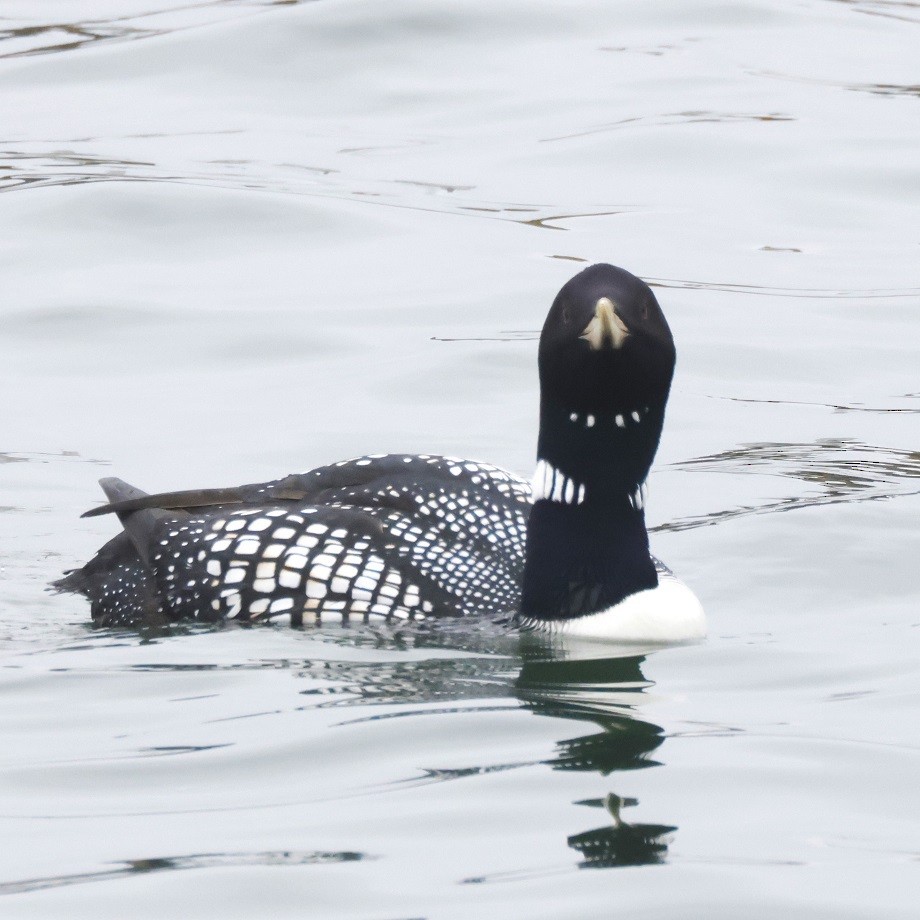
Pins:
x: 495, y: 668
x: 604, y: 691
x: 548, y: 679
x: 620, y: 844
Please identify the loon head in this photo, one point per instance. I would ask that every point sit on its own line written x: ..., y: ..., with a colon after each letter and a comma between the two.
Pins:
x: 605, y: 345
x: 606, y: 361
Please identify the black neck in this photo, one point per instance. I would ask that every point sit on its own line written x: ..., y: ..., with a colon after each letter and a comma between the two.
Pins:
x: 584, y: 556
x: 611, y: 450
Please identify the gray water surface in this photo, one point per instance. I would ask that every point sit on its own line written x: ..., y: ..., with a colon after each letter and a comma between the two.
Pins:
x: 240, y: 239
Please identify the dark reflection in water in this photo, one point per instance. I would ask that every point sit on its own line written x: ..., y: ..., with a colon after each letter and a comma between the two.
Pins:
x: 601, y: 691
x: 674, y: 118
x: 845, y: 470
x: 34, y: 38
x: 887, y: 89
x: 131, y: 867
x: 547, y: 681
x: 21, y: 168
x: 47, y: 457
x: 170, y: 750
x: 771, y: 291
x: 905, y: 10
x: 651, y: 50
x: 836, y: 407
x: 621, y: 844
x: 65, y: 36
x: 502, y: 670
x: 503, y: 335
x: 876, y: 89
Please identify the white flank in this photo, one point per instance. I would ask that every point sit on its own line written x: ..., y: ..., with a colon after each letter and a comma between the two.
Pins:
x: 667, y: 614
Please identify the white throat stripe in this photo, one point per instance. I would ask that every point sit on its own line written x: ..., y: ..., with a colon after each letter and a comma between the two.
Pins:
x: 553, y: 485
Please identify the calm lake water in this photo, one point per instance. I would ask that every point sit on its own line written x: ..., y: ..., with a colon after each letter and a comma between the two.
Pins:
x: 240, y: 239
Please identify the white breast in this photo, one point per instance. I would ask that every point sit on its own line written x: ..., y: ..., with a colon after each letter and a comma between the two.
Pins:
x: 668, y: 613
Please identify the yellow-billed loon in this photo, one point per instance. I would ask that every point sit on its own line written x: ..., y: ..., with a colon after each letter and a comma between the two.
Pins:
x: 411, y: 537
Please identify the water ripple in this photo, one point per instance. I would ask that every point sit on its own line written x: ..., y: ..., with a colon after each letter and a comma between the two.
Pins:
x: 845, y: 470
x: 876, y: 89
x: 131, y: 867
x: 836, y: 407
x: 53, y: 37
x: 770, y: 291
x: 905, y: 10
x: 22, y: 168
x: 675, y: 118
x: 34, y: 38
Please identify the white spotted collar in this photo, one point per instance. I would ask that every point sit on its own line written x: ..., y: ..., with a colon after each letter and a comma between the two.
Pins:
x: 551, y: 484
x: 620, y: 419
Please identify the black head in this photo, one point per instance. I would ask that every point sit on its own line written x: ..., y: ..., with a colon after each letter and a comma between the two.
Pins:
x: 606, y: 363
x: 605, y: 345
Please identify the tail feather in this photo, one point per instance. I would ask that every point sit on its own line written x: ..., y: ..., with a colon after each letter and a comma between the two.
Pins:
x: 140, y: 526
x: 118, y: 490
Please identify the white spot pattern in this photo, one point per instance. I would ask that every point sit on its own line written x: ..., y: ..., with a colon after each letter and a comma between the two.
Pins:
x: 396, y: 537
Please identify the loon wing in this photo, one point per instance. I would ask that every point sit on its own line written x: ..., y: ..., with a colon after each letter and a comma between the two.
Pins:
x: 189, y: 498
x: 296, y: 487
x: 389, y: 481
x: 391, y: 536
